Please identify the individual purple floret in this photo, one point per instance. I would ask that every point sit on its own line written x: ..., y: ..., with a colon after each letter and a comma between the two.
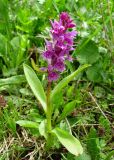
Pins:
x: 58, y: 50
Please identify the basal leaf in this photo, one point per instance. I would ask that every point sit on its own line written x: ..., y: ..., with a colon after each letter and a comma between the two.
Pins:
x: 71, y: 143
x: 35, y: 85
x: 28, y: 124
x: 88, y: 53
x: 84, y: 156
x: 12, y: 80
x: 42, y: 128
x: 95, y: 72
x: 66, y: 80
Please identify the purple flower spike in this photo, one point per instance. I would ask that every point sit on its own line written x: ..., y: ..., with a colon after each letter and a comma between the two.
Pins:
x: 59, y: 66
x: 47, y: 54
x: 58, y: 50
x: 66, y: 21
x: 53, y: 76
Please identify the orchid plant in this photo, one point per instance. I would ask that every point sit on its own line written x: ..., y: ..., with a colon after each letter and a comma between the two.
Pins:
x: 56, y: 54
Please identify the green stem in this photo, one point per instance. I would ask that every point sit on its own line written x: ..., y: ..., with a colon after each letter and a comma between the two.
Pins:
x: 48, y: 108
x: 49, y: 112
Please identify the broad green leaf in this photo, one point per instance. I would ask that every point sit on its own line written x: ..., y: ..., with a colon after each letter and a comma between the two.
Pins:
x: 24, y: 44
x: 95, y: 72
x: 88, y: 53
x: 35, y: 85
x: 42, y: 128
x: 15, y: 43
x: 19, y: 44
x: 67, y: 109
x: 28, y: 124
x: 66, y: 80
x: 71, y: 143
x: 12, y: 80
x: 83, y: 156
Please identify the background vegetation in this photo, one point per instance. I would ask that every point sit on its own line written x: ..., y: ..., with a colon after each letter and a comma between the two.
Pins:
x: 24, y: 24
